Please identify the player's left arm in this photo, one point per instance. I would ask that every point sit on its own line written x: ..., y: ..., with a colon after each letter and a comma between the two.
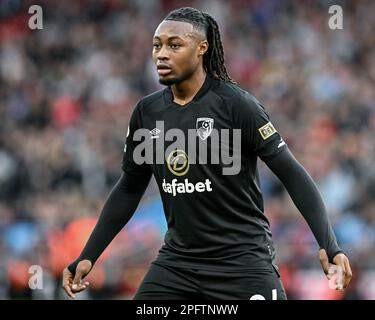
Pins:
x: 307, y: 198
x: 262, y: 138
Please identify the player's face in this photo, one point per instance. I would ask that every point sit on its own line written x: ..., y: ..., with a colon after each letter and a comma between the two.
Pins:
x: 177, y: 51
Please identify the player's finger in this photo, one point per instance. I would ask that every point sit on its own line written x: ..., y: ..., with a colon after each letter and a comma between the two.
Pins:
x: 69, y: 291
x: 80, y: 287
x: 324, y: 261
x: 348, y: 273
x: 67, y: 280
x: 343, y: 276
x: 66, y: 277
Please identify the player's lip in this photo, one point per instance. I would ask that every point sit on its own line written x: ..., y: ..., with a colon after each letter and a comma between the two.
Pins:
x: 163, y: 69
x: 163, y: 66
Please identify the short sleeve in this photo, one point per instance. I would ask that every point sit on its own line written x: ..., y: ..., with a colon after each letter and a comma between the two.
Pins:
x: 257, y: 131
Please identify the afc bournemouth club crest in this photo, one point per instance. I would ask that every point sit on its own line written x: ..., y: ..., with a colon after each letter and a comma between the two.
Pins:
x: 204, y: 127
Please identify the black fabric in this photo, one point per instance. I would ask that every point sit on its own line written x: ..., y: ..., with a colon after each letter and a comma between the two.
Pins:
x: 222, y: 227
x: 174, y: 283
x: 215, y: 221
x: 118, y: 209
x: 307, y: 199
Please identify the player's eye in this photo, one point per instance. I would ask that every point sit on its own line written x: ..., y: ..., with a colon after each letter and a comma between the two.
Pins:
x: 156, y: 45
x: 175, y: 45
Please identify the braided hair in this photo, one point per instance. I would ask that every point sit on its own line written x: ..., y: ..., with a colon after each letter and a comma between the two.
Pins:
x: 213, y: 59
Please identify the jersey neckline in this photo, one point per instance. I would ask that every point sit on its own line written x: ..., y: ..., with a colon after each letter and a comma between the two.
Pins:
x: 168, y: 94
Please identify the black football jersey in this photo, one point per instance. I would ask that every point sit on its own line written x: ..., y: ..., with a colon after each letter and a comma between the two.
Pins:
x: 214, y: 208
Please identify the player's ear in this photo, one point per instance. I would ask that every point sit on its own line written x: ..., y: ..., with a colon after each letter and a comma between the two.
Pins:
x: 202, y: 47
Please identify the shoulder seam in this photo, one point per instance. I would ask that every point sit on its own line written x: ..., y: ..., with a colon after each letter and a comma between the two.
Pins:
x: 229, y: 111
x: 145, y: 101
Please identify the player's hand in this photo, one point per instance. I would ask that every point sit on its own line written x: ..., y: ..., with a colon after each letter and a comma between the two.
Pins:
x: 339, y: 260
x: 74, y: 285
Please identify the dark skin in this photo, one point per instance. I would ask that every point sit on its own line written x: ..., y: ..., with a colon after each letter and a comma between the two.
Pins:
x: 178, y: 50
x: 73, y: 284
x: 180, y: 47
x: 340, y: 260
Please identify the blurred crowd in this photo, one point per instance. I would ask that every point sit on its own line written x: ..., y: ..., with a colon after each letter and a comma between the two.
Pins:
x: 66, y: 95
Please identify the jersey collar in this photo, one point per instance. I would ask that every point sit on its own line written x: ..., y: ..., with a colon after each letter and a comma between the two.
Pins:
x: 168, y: 94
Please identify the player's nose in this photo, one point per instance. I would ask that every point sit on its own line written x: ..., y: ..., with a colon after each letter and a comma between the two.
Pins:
x: 162, y: 54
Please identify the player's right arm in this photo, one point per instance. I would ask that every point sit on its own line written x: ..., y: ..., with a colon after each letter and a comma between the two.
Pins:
x: 117, y: 211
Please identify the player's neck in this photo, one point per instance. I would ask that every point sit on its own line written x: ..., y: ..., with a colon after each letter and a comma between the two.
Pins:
x: 185, y: 91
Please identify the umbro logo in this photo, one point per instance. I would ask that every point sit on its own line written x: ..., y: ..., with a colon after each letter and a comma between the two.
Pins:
x: 282, y: 142
x: 155, y: 133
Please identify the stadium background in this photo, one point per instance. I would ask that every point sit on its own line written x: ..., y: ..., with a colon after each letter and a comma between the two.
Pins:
x: 66, y: 94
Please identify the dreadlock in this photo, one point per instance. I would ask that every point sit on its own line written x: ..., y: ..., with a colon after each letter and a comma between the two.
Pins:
x: 213, y: 59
